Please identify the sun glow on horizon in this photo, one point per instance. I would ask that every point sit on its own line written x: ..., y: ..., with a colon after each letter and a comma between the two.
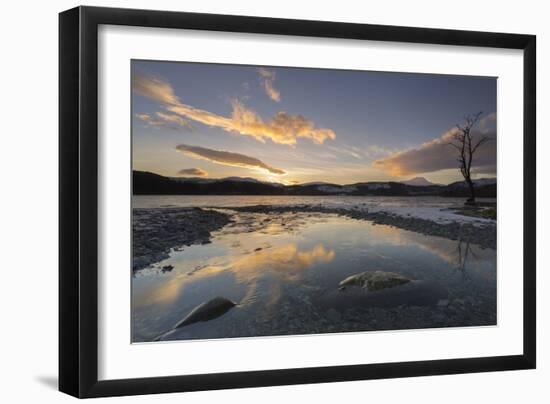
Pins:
x: 352, y: 127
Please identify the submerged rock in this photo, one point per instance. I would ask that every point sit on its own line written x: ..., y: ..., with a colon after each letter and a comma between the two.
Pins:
x: 375, y: 280
x: 413, y: 293
x: 209, y: 310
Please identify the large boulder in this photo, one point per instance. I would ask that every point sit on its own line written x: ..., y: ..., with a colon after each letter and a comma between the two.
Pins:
x: 209, y: 310
x: 375, y: 280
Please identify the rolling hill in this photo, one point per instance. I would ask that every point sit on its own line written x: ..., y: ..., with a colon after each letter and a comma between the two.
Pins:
x: 147, y: 183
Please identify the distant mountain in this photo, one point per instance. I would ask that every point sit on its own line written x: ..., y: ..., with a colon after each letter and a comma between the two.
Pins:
x: 193, y: 179
x: 484, y: 188
x: 485, y: 181
x: 146, y: 183
x: 418, y: 181
x: 210, y: 180
x: 308, y: 184
x: 244, y: 179
x: 479, y: 182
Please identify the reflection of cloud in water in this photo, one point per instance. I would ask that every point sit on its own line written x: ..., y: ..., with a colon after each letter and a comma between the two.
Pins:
x: 286, y: 262
x: 279, y: 271
x: 163, y: 293
x: 286, y: 259
x: 285, y: 223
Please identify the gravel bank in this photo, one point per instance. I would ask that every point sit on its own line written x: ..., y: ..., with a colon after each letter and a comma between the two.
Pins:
x: 484, y: 235
x: 157, y: 231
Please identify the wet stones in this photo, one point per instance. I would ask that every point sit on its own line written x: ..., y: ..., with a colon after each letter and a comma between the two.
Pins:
x: 167, y: 268
x: 484, y: 235
x: 375, y: 280
x: 157, y: 231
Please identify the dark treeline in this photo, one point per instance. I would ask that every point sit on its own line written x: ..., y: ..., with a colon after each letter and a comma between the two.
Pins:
x: 146, y: 183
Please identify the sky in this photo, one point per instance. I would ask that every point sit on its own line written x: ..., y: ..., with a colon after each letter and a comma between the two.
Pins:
x: 297, y: 125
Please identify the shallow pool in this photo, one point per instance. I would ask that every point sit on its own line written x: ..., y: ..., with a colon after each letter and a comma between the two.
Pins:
x: 283, y: 271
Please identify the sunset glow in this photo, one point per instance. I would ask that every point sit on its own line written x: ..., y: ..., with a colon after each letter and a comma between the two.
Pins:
x: 291, y: 125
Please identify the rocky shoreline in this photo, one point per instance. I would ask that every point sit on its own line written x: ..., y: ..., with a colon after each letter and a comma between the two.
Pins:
x: 483, y: 234
x: 333, y: 297
x: 158, y: 230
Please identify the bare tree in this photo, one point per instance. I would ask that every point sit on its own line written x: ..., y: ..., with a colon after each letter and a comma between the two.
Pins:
x: 467, y: 147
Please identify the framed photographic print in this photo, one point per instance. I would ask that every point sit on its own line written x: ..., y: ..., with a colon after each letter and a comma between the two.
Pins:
x: 251, y: 201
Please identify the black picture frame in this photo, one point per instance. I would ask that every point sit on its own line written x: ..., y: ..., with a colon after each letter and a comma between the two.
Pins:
x: 78, y: 201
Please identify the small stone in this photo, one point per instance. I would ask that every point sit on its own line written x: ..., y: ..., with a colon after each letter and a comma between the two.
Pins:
x: 167, y: 268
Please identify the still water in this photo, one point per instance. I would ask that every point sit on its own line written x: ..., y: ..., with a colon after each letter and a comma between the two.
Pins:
x: 283, y: 272
x: 163, y: 201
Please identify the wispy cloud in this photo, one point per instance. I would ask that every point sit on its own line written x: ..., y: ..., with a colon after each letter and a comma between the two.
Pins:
x: 267, y: 77
x: 154, y: 88
x: 282, y: 128
x: 437, y: 155
x: 193, y: 172
x: 488, y: 122
x: 370, y: 152
x: 178, y: 120
x: 162, y: 119
x: 227, y: 158
x: 374, y: 151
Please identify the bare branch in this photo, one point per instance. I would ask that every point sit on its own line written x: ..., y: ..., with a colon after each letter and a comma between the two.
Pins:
x: 466, y: 147
x: 481, y: 141
x: 454, y: 145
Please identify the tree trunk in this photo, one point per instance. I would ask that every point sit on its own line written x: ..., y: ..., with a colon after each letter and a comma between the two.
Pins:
x: 472, y: 199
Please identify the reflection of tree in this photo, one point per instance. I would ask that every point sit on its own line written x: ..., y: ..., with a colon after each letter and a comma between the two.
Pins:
x: 464, y: 252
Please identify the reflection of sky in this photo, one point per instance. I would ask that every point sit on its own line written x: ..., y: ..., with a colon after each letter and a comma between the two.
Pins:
x: 264, y: 268
x: 373, y: 115
x: 286, y: 261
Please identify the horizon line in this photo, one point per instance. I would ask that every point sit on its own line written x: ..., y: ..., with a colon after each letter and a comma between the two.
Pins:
x: 311, y: 182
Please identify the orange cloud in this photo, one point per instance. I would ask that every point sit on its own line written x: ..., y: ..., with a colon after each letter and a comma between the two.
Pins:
x: 193, y: 172
x: 282, y: 128
x: 162, y: 119
x: 154, y: 88
x: 437, y: 155
x: 227, y: 158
